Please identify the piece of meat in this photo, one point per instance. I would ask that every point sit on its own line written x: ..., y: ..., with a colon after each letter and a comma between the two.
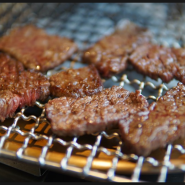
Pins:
x: 76, y: 82
x: 36, y: 49
x: 9, y: 67
x: 9, y: 103
x: 110, y: 54
x: 29, y: 86
x: 22, y: 91
x: 19, y: 88
x: 162, y: 123
x: 180, y: 55
x: 102, y: 111
x: 9, y: 72
x: 155, y: 61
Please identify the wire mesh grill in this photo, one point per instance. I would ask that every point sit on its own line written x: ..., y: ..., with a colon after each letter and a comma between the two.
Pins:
x: 27, y: 137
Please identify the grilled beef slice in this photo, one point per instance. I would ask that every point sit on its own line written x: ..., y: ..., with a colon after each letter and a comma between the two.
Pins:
x: 154, y: 127
x: 76, y: 82
x: 110, y: 53
x: 78, y: 116
x: 155, y: 61
x: 19, y: 88
x: 36, y: 49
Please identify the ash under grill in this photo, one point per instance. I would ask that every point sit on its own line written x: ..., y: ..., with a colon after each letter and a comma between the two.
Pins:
x: 28, y: 137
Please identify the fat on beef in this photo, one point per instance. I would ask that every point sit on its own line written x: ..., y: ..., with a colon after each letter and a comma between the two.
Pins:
x: 76, y: 82
x: 70, y: 116
x: 36, y: 49
x: 154, y: 127
x: 110, y: 54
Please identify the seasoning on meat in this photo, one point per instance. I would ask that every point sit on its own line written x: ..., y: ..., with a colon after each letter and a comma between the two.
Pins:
x: 155, y: 61
x: 110, y: 54
x: 36, y: 49
x: 76, y: 82
x: 75, y: 117
x: 18, y: 87
x: 162, y: 123
x: 180, y: 54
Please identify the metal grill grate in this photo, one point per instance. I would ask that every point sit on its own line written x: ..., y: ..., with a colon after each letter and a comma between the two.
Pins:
x: 28, y: 137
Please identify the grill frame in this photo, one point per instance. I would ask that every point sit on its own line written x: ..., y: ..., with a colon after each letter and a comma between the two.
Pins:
x: 116, y: 172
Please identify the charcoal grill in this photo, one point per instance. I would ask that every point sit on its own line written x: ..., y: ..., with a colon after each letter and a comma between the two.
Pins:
x: 28, y: 138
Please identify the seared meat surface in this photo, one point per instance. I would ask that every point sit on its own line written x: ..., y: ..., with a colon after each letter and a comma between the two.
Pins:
x: 78, y: 116
x: 9, y: 68
x: 154, y: 127
x: 110, y: 54
x: 76, y: 82
x: 9, y: 102
x: 154, y: 61
x: 19, y: 88
x: 36, y: 49
x: 180, y: 55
